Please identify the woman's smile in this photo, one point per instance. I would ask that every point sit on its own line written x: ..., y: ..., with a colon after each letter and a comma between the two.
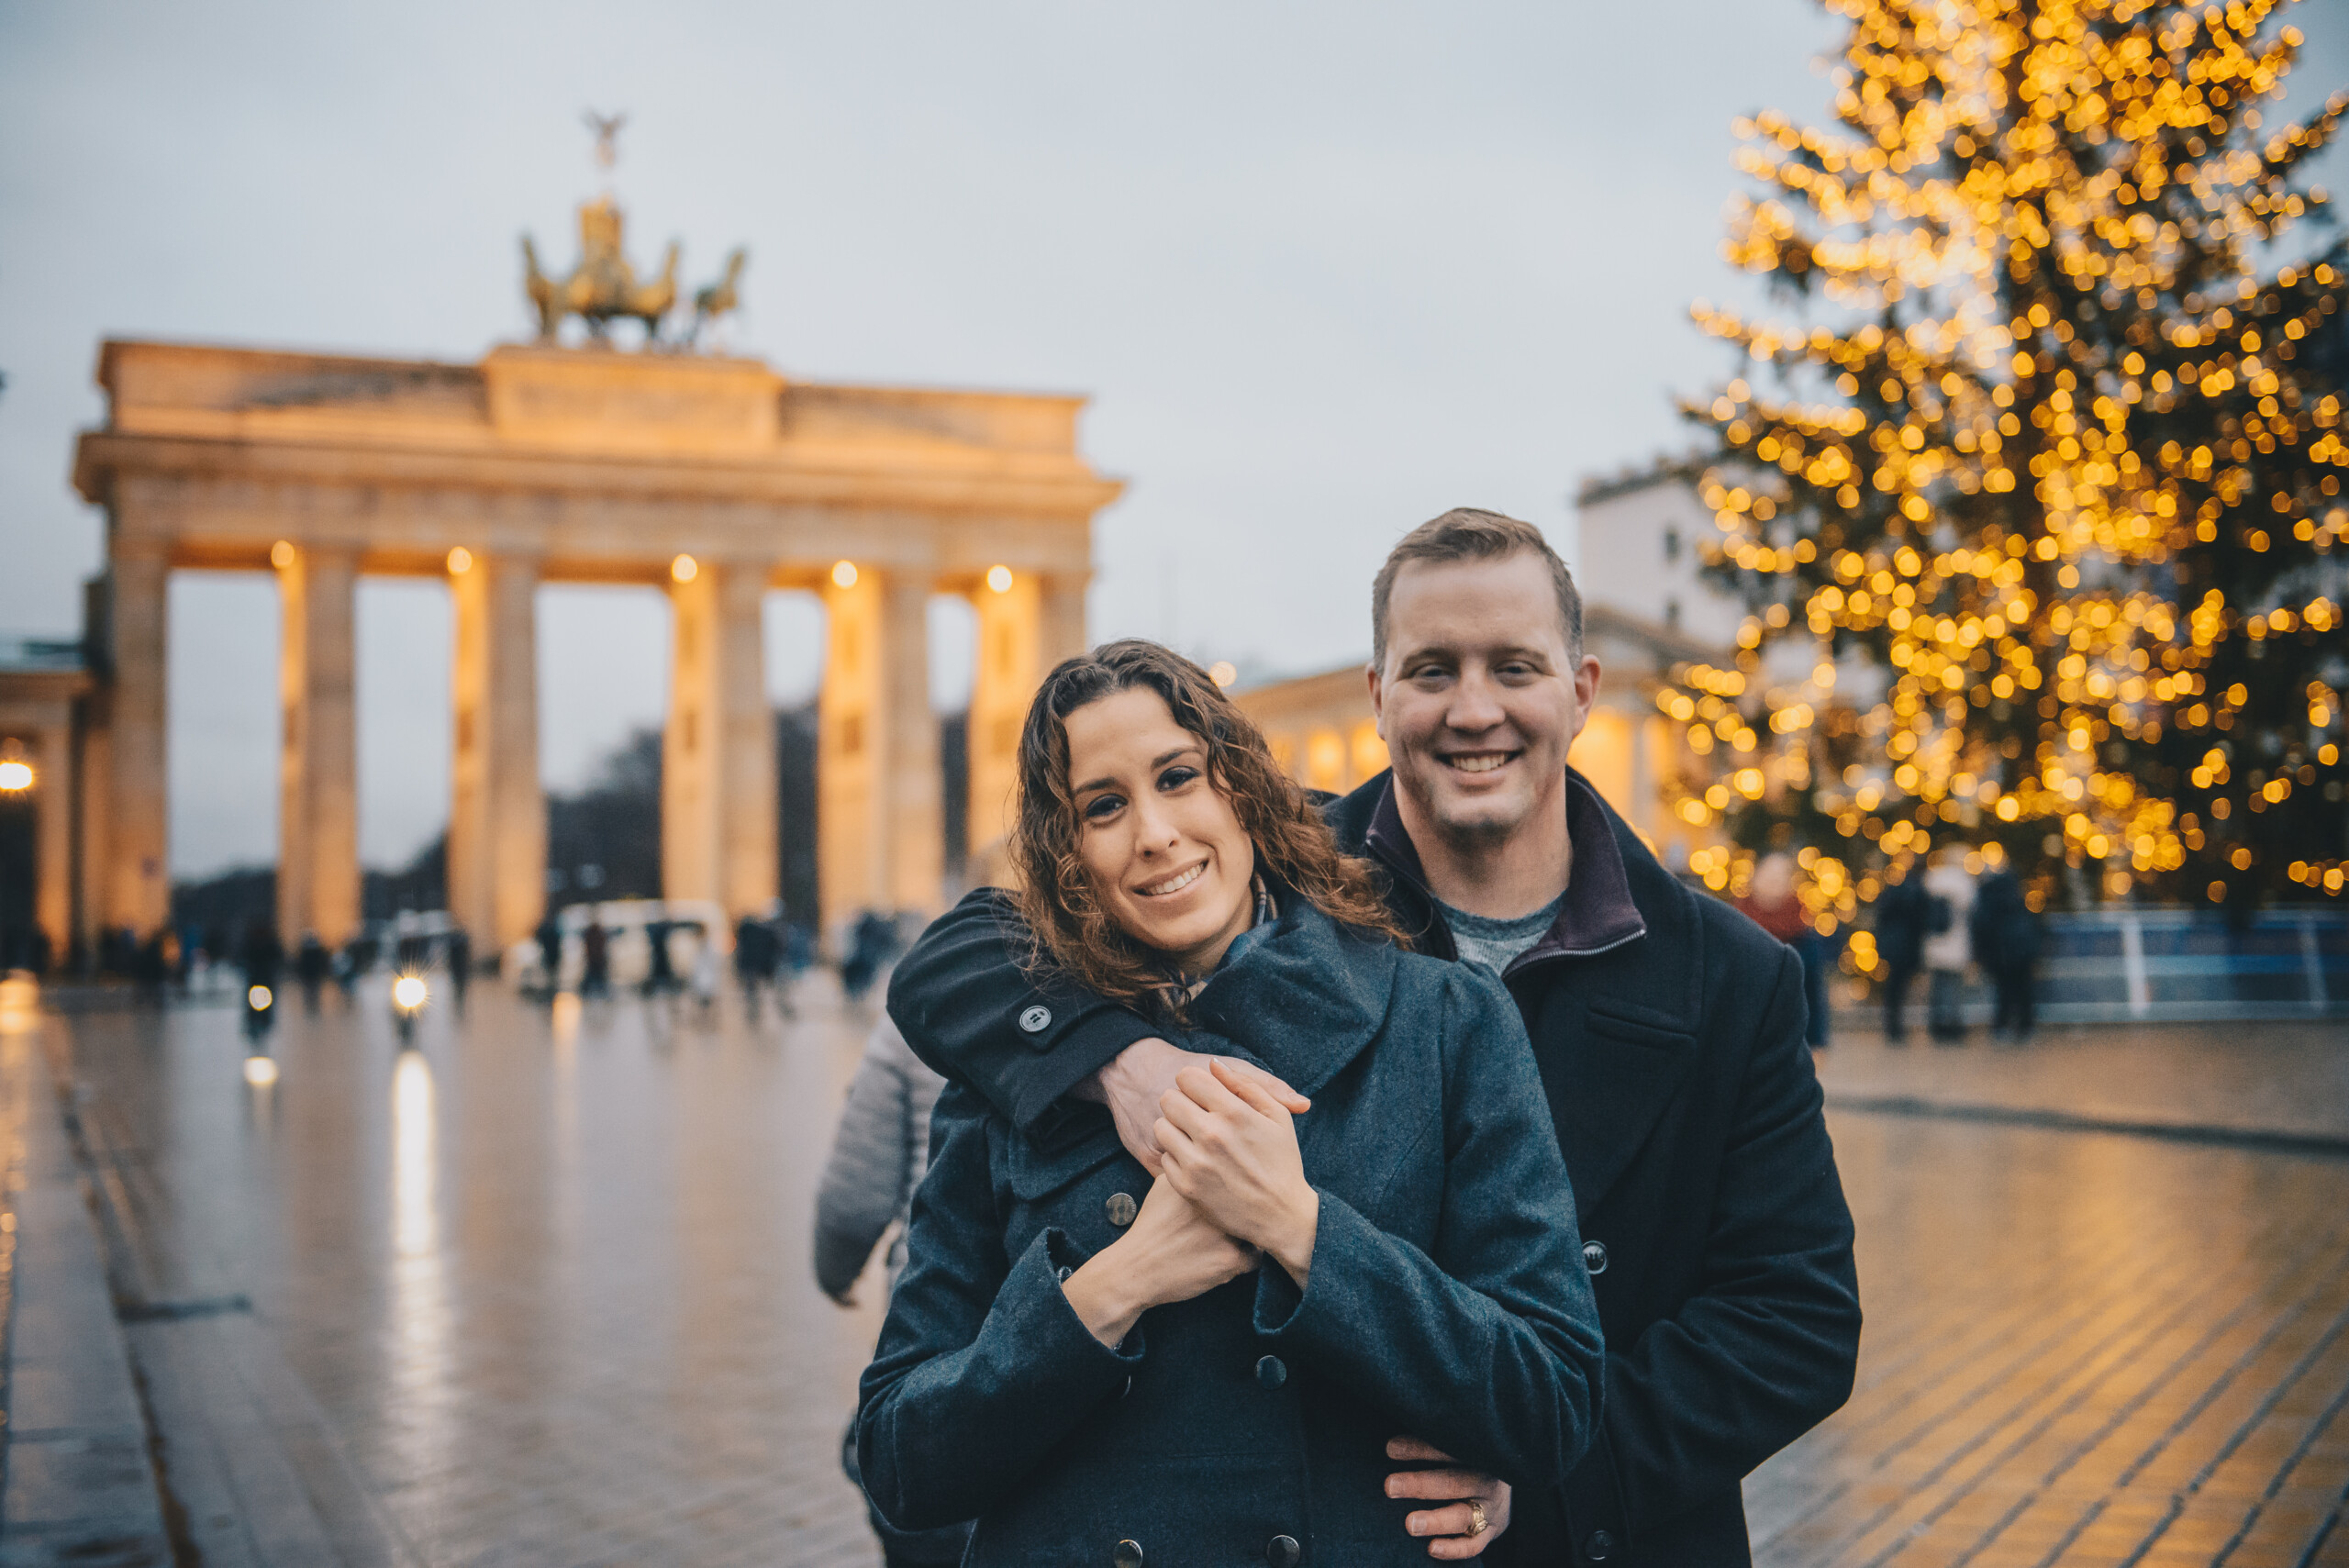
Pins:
x: 1166, y: 887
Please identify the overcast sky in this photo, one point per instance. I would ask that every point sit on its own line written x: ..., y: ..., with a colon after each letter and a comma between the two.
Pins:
x: 1325, y: 270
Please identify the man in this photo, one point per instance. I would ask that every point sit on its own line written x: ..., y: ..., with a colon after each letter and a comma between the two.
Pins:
x: 1902, y: 913
x: 2006, y: 943
x: 1668, y: 1029
x: 1949, y: 949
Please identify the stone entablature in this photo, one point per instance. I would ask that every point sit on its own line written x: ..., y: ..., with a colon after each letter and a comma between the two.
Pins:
x: 714, y: 478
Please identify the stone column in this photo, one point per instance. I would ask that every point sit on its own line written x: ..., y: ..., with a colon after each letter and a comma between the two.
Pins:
x: 53, y: 787
x: 717, y: 779
x: 851, y: 860
x: 882, y: 840
x: 912, y: 786
x: 1004, y: 675
x: 497, y: 811
x: 138, y: 892
x: 317, y: 824
x: 1060, y: 619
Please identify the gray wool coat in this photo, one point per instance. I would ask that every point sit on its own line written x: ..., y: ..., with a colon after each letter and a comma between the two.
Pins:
x: 1448, y: 1296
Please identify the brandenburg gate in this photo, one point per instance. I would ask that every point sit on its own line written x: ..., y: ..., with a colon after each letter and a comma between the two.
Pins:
x: 715, y: 479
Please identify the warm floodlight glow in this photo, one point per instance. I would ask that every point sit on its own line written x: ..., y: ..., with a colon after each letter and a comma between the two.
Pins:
x: 261, y: 1071
x: 16, y: 776
x: 281, y: 554
x: 684, y: 569
x: 844, y: 574
x: 1223, y: 672
x: 408, y: 992
x: 258, y: 998
x: 999, y: 579
x: 19, y: 1003
x: 460, y: 561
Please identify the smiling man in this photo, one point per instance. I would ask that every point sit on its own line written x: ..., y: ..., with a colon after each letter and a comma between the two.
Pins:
x: 1668, y: 1030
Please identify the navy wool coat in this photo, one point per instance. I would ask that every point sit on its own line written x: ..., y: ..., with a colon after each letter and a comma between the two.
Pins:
x: 1447, y: 1297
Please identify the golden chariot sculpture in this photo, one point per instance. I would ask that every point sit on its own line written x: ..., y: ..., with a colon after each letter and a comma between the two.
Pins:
x: 603, y: 288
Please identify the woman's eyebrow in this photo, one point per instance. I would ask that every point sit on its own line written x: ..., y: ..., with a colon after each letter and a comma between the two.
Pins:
x: 1165, y: 757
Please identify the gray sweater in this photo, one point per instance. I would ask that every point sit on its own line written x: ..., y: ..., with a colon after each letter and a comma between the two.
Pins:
x: 879, y: 1155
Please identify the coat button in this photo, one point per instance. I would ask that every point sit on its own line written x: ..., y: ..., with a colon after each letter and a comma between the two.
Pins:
x: 1121, y: 1210
x: 1129, y: 1554
x: 1272, y: 1374
x: 1282, y: 1551
x: 1597, y: 1548
x: 1063, y: 1274
x: 1594, y: 1258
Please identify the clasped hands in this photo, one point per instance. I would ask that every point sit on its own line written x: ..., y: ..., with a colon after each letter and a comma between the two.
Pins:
x: 1218, y: 1136
x: 1230, y: 1191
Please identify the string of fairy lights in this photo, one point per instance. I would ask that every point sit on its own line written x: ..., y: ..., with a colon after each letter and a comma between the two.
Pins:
x: 2040, y: 541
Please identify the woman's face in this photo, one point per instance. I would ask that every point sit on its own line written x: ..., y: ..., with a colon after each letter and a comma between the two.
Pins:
x: 1168, y: 858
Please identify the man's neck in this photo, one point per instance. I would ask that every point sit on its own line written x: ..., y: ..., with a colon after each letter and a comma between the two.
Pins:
x: 1499, y: 878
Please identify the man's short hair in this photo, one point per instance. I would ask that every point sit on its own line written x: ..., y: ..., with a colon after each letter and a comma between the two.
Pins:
x: 1470, y: 533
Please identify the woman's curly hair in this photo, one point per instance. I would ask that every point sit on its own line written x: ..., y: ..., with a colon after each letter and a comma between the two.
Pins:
x: 1072, y: 933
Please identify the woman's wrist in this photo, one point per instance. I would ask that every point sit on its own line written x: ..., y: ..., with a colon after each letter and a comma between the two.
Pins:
x: 1293, y: 1247
x: 1101, y: 1294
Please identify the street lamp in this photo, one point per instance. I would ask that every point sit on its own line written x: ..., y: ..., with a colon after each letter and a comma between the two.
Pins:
x: 15, y: 775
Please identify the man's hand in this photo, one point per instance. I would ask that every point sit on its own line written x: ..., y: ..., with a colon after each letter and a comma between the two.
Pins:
x: 1140, y: 1076
x: 1450, y: 1523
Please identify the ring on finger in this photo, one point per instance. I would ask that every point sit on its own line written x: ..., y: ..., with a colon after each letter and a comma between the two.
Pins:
x: 1476, y: 1517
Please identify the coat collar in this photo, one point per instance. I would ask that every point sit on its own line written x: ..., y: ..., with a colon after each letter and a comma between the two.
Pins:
x: 1597, y: 913
x: 1306, y: 997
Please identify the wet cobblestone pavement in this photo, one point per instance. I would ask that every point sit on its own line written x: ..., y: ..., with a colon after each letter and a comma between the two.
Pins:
x: 538, y: 1291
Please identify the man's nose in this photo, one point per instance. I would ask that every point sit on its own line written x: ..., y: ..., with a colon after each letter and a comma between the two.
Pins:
x: 1476, y: 704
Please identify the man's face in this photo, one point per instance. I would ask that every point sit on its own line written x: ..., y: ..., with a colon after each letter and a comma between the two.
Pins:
x: 1478, y: 701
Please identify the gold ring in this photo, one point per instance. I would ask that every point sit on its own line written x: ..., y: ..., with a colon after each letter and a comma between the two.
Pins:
x: 1476, y: 1517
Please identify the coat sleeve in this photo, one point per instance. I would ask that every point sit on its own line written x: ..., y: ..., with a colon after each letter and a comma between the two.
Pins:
x: 864, y: 1185
x: 960, y: 997
x: 982, y: 1366
x: 1489, y: 1348
x: 1767, y: 1349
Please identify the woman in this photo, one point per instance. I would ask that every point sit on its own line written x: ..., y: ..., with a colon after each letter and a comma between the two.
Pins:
x: 1101, y: 1368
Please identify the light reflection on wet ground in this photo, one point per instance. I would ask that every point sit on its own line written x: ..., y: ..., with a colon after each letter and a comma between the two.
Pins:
x: 539, y: 1293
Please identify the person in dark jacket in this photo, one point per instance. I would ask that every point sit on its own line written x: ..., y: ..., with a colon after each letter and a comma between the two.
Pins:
x: 2006, y: 943
x: 1668, y: 1028
x: 1202, y: 1368
x: 1903, y: 920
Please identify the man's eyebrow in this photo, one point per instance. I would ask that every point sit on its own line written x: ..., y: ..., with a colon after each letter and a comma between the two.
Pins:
x: 1158, y: 761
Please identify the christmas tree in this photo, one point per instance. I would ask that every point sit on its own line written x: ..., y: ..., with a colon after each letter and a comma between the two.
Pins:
x: 2042, y: 536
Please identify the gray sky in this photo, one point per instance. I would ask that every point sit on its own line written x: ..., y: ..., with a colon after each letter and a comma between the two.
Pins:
x: 1325, y: 270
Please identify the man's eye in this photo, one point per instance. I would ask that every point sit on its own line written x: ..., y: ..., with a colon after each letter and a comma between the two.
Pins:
x: 1101, y: 807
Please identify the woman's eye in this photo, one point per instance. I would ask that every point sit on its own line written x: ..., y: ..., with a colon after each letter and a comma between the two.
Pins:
x: 1101, y: 807
x: 1175, y: 778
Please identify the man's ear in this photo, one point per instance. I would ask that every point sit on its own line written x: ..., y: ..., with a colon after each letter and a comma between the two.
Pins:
x: 1586, y: 694
x: 1377, y: 696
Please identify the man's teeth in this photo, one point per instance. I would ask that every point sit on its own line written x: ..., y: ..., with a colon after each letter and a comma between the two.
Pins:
x: 1481, y: 762
x: 1175, y: 884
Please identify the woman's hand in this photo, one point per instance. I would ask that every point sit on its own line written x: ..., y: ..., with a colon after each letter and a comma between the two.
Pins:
x: 1230, y: 1147
x: 1171, y: 1252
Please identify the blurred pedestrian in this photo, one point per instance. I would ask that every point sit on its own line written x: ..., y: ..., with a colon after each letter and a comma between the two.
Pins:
x: 659, y: 968
x: 458, y: 949
x: 1902, y: 913
x: 312, y: 963
x: 350, y: 960
x: 1949, y: 949
x: 1771, y: 903
x: 2006, y: 931
x: 880, y: 1151
x: 262, y: 955
x: 755, y: 952
x: 550, y: 940
x: 872, y: 943
x: 702, y: 980
x: 595, y: 960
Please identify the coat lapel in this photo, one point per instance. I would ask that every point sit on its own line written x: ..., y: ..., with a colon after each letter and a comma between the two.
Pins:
x: 1299, y: 1001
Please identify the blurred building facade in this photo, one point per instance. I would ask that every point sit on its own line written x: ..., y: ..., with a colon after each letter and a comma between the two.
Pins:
x: 715, y: 479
